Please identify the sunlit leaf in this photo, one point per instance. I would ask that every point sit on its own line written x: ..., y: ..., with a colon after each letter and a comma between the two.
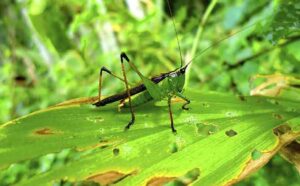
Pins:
x: 219, y: 141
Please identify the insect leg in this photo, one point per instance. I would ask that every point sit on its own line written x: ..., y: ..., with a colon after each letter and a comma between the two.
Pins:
x: 154, y: 90
x: 128, y: 93
x: 171, y: 115
x: 187, y: 101
x: 124, y: 56
x: 104, y: 69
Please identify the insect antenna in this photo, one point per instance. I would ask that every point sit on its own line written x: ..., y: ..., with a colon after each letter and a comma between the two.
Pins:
x: 174, y: 25
x: 227, y: 37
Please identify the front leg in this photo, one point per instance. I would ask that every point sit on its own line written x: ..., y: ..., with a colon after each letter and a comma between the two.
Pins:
x: 187, y: 101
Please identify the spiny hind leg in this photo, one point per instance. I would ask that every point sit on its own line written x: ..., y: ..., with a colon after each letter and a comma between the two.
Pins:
x: 131, y: 122
x: 187, y: 101
x: 171, y: 115
x: 154, y: 90
x: 104, y: 69
x: 124, y: 56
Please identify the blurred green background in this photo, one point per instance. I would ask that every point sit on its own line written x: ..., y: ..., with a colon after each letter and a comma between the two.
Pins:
x: 52, y: 51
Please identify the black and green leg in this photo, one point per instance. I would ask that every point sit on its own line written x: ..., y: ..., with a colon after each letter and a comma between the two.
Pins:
x: 104, y: 69
x: 187, y: 101
x: 131, y: 122
x: 171, y: 115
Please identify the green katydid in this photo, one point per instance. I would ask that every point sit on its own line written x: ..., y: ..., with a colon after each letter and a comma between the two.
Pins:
x: 162, y: 87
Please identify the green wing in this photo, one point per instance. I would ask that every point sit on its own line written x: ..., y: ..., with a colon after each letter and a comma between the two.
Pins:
x: 154, y: 89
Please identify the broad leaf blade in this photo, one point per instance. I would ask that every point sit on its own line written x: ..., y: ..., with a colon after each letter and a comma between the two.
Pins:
x: 219, y: 137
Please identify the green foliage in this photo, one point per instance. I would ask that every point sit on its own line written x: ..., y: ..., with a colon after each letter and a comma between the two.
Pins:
x: 51, y: 51
x: 286, y: 21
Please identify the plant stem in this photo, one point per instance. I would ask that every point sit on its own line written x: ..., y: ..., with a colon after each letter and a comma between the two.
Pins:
x: 199, y: 35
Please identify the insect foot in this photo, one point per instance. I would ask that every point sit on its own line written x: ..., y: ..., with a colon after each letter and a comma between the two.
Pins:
x: 184, y: 105
x: 130, y: 123
x: 185, y: 108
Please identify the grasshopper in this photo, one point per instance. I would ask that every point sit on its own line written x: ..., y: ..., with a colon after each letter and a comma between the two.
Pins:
x: 162, y: 87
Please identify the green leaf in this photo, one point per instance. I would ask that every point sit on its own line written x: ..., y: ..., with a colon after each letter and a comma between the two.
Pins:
x: 219, y: 141
x: 286, y: 20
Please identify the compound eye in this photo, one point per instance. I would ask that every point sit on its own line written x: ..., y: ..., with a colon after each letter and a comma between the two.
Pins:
x: 182, y: 70
x: 172, y: 74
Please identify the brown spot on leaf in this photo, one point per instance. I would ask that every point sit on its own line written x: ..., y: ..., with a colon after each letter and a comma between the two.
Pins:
x: 292, y: 153
x: 188, y: 178
x: 242, y: 98
x: 282, y: 129
x: 160, y: 181
x: 101, y: 145
x: 277, y: 116
x: 231, y: 133
x: 108, y: 178
x: 116, y: 151
x: 44, y: 131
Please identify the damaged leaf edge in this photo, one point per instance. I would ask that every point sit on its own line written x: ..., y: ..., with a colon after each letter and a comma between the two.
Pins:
x: 254, y: 165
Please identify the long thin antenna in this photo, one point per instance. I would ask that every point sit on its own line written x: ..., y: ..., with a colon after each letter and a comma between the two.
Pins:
x: 179, y: 48
x: 227, y: 37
